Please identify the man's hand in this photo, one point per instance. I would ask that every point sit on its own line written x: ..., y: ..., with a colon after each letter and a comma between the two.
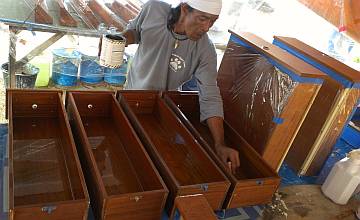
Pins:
x: 229, y: 156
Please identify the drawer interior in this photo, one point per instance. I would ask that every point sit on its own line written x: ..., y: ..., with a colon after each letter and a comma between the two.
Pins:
x: 44, y: 165
x: 120, y: 160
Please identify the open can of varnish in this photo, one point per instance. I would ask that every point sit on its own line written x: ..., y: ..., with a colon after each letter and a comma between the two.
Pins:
x: 112, y: 50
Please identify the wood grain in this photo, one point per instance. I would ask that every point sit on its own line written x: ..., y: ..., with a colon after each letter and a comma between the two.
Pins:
x: 183, y: 164
x: 253, y: 168
x: 124, y: 179
x: 194, y: 207
x: 65, y: 17
x: 43, y: 160
x: 260, y: 93
x: 340, y: 68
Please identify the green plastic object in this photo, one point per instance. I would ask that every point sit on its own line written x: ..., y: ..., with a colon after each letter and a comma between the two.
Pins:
x: 43, y: 76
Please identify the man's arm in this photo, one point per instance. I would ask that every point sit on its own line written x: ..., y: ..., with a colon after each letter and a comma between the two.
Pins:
x: 226, y: 154
x: 129, y: 36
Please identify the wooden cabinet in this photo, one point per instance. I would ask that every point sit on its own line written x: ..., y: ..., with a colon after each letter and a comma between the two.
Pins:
x: 185, y: 166
x: 45, y: 178
x: 254, y: 182
x: 267, y: 93
x: 122, y: 181
x: 330, y: 113
x: 193, y: 207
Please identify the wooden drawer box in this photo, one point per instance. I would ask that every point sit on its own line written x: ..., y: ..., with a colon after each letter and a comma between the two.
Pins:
x: 267, y: 93
x: 254, y: 182
x: 123, y: 183
x: 45, y: 178
x: 184, y: 165
x: 193, y: 207
x: 330, y: 112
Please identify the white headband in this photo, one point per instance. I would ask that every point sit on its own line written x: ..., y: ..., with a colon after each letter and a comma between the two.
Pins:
x: 209, y: 6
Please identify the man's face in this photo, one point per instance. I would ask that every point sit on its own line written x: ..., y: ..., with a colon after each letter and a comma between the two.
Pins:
x: 197, y: 23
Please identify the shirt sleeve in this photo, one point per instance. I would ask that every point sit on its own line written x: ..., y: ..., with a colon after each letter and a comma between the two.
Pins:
x: 209, y: 93
x: 136, y: 23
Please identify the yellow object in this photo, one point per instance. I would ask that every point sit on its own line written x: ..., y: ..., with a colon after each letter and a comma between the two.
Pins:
x: 42, y: 62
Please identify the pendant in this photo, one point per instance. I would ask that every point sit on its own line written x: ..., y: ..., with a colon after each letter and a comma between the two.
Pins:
x: 176, y: 44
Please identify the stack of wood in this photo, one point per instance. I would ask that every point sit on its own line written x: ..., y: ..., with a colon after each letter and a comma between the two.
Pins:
x: 94, y: 12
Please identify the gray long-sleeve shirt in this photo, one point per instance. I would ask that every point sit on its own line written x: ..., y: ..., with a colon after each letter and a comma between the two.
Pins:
x: 158, y: 65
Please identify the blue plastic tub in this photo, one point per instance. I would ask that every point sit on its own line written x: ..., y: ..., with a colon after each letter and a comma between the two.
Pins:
x: 116, y: 76
x: 90, y: 70
x: 65, y: 66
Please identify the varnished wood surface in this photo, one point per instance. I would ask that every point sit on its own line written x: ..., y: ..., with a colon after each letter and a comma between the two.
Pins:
x: 283, y: 134
x: 117, y: 160
x: 188, y: 166
x: 259, y: 93
x: 340, y: 119
x: 313, y: 124
x: 120, y: 10
x: 344, y: 70
x: 105, y: 14
x: 41, y: 13
x: 194, y: 208
x: 39, y: 168
x: 254, y: 89
x: 44, y: 166
x: 314, y: 137
x: 118, y: 175
x: 252, y: 169
x: 291, y: 62
x: 172, y: 149
x: 65, y: 17
x: 86, y: 14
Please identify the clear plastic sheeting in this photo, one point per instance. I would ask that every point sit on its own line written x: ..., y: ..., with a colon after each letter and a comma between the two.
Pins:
x: 90, y: 18
x: 254, y: 93
x: 79, y: 15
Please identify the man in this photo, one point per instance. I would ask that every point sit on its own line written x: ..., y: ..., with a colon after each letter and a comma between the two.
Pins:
x: 173, y: 47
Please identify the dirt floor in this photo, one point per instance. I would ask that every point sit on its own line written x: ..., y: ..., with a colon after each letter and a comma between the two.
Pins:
x: 307, y: 202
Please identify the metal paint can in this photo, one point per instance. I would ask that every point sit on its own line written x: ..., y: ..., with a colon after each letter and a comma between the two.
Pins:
x: 112, y: 50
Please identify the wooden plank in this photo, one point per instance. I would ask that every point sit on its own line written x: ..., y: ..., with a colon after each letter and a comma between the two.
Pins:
x: 340, y: 68
x: 356, y: 11
x: 283, y: 135
x: 124, y: 179
x: 331, y: 11
x: 184, y: 165
x: 39, y: 49
x: 85, y: 13
x: 12, y: 56
x: 194, y: 207
x: 282, y: 57
x: 245, y: 189
x: 120, y: 10
x: 41, y: 14
x: 46, y: 177
x: 65, y: 18
x: 134, y: 5
x: 334, y: 125
x: 312, y: 125
x: 263, y: 97
x: 105, y: 14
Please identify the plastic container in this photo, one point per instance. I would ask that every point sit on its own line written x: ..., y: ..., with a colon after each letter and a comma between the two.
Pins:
x: 25, y: 77
x: 65, y: 66
x: 344, y: 179
x: 90, y: 70
x: 116, y: 76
